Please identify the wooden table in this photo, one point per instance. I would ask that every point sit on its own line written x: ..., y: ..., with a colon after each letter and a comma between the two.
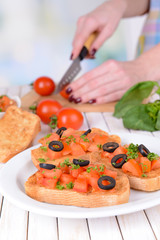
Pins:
x: 17, y: 224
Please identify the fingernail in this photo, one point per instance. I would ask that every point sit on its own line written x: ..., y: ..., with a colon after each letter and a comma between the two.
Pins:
x: 78, y: 100
x: 68, y: 90
x: 91, y: 101
x: 71, y: 98
x: 71, y: 56
x: 93, y: 51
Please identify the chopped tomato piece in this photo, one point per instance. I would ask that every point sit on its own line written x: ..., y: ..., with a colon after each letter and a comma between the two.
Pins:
x: 68, y: 133
x: 120, y: 150
x: 53, y: 155
x: 110, y: 173
x: 64, y: 169
x: 155, y: 164
x: 81, y: 185
x: 132, y: 167
x: 45, y: 141
x: 53, y: 173
x: 66, y: 178
x: 75, y: 172
x: 76, y: 149
x: 145, y: 164
x: 100, y: 139
x: 108, y: 155
x: 67, y: 149
x: 84, y: 144
x: 93, y: 147
x: 49, y: 182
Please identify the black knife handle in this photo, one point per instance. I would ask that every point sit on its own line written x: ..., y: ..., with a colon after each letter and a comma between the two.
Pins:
x: 83, y: 53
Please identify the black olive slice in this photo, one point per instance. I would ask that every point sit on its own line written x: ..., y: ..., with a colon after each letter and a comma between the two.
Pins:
x: 143, y: 150
x: 47, y: 166
x: 57, y: 143
x: 116, y: 158
x: 81, y: 162
x: 109, y: 186
x: 88, y: 131
x: 110, y: 147
x: 61, y: 130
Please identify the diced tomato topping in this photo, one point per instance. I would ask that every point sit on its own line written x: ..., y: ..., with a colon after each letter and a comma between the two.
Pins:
x: 81, y: 185
x: 65, y: 169
x: 53, y: 173
x: 100, y: 139
x: 76, y: 149
x: 53, y: 137
x: 68, y: 133
x: 84, y: 144
x: 120, y: 150
x: 66, y: 178
x: 93, y: 147
x: 133, y: 167
x: 53, y: 155
x: 145, y: 164
x: 67, y: 149
x: 75, y: 172
x: 155, y: 164
x: 110, y: 173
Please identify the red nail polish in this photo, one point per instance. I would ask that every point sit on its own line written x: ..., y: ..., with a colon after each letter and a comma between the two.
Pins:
x: 93, y: 51
x: 71, y: 56
x: 91, y: 101
x: 78, y: 100
x: 68, y: 90
x: 71, y: 98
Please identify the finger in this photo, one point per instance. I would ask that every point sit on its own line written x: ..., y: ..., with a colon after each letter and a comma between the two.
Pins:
x: 85, y: 27
x: 106, y: 89
x: 94, y: 83
x: 110, y: 97
x: 100, y: 70
x: 103, y: 35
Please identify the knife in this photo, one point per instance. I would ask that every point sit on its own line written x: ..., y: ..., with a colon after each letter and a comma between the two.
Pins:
x: 75, y: 67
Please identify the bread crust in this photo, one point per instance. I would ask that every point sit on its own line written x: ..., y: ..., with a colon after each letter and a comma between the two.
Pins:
x: 18, y: 128
x: 118, y: 195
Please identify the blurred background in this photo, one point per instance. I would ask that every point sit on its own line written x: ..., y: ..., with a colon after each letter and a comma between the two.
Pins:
x: 36, y: 39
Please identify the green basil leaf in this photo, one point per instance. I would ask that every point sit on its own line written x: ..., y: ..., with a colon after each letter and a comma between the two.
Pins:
x: 134, y: 96
x: 137, y: 118
x: 157, y: 126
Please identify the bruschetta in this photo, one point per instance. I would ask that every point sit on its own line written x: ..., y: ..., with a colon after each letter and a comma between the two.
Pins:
x: 78, y: 183
x: 70, y: 143
x: 141, y: 166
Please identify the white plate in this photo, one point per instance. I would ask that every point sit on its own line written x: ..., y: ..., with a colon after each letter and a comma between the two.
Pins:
x: 16, y: 99
x: 14, y: 174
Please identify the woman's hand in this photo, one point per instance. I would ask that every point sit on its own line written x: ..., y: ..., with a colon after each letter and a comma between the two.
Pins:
x: 107, y: 82
x: 103, y: 20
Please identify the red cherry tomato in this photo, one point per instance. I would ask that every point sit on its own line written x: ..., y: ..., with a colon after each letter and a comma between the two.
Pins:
x: 44, y: 86
x: 70, y: 118
x: 46, y: 108
x: 64, y: 94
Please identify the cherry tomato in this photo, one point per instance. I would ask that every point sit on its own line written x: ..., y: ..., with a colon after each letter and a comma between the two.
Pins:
x: 44, y: 86
x: 46, y: 108
x: 64, y: 94
x: 70, y: 118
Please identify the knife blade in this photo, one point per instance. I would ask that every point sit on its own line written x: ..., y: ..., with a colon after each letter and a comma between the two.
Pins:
x: 75, y: 67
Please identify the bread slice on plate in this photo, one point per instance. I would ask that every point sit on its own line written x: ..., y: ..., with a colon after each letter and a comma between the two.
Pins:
x: 118, y: 195
x: 18, y: 128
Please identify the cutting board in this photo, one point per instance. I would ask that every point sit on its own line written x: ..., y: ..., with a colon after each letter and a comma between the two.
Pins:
x: 32, y: 97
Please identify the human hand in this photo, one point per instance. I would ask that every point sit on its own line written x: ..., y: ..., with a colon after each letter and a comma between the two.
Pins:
x: 103, y: 20
x: 107, y: 82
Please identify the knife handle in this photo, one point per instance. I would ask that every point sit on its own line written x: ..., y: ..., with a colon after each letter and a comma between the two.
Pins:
x: 87, y: 45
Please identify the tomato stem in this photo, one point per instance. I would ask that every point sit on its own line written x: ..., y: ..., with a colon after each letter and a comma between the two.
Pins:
x: 53, y: 122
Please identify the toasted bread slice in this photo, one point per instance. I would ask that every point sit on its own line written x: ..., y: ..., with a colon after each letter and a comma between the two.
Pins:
x: 149, y: 183
x: 38, y: 153
x: 118, y: 195
x: 18, y: 128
